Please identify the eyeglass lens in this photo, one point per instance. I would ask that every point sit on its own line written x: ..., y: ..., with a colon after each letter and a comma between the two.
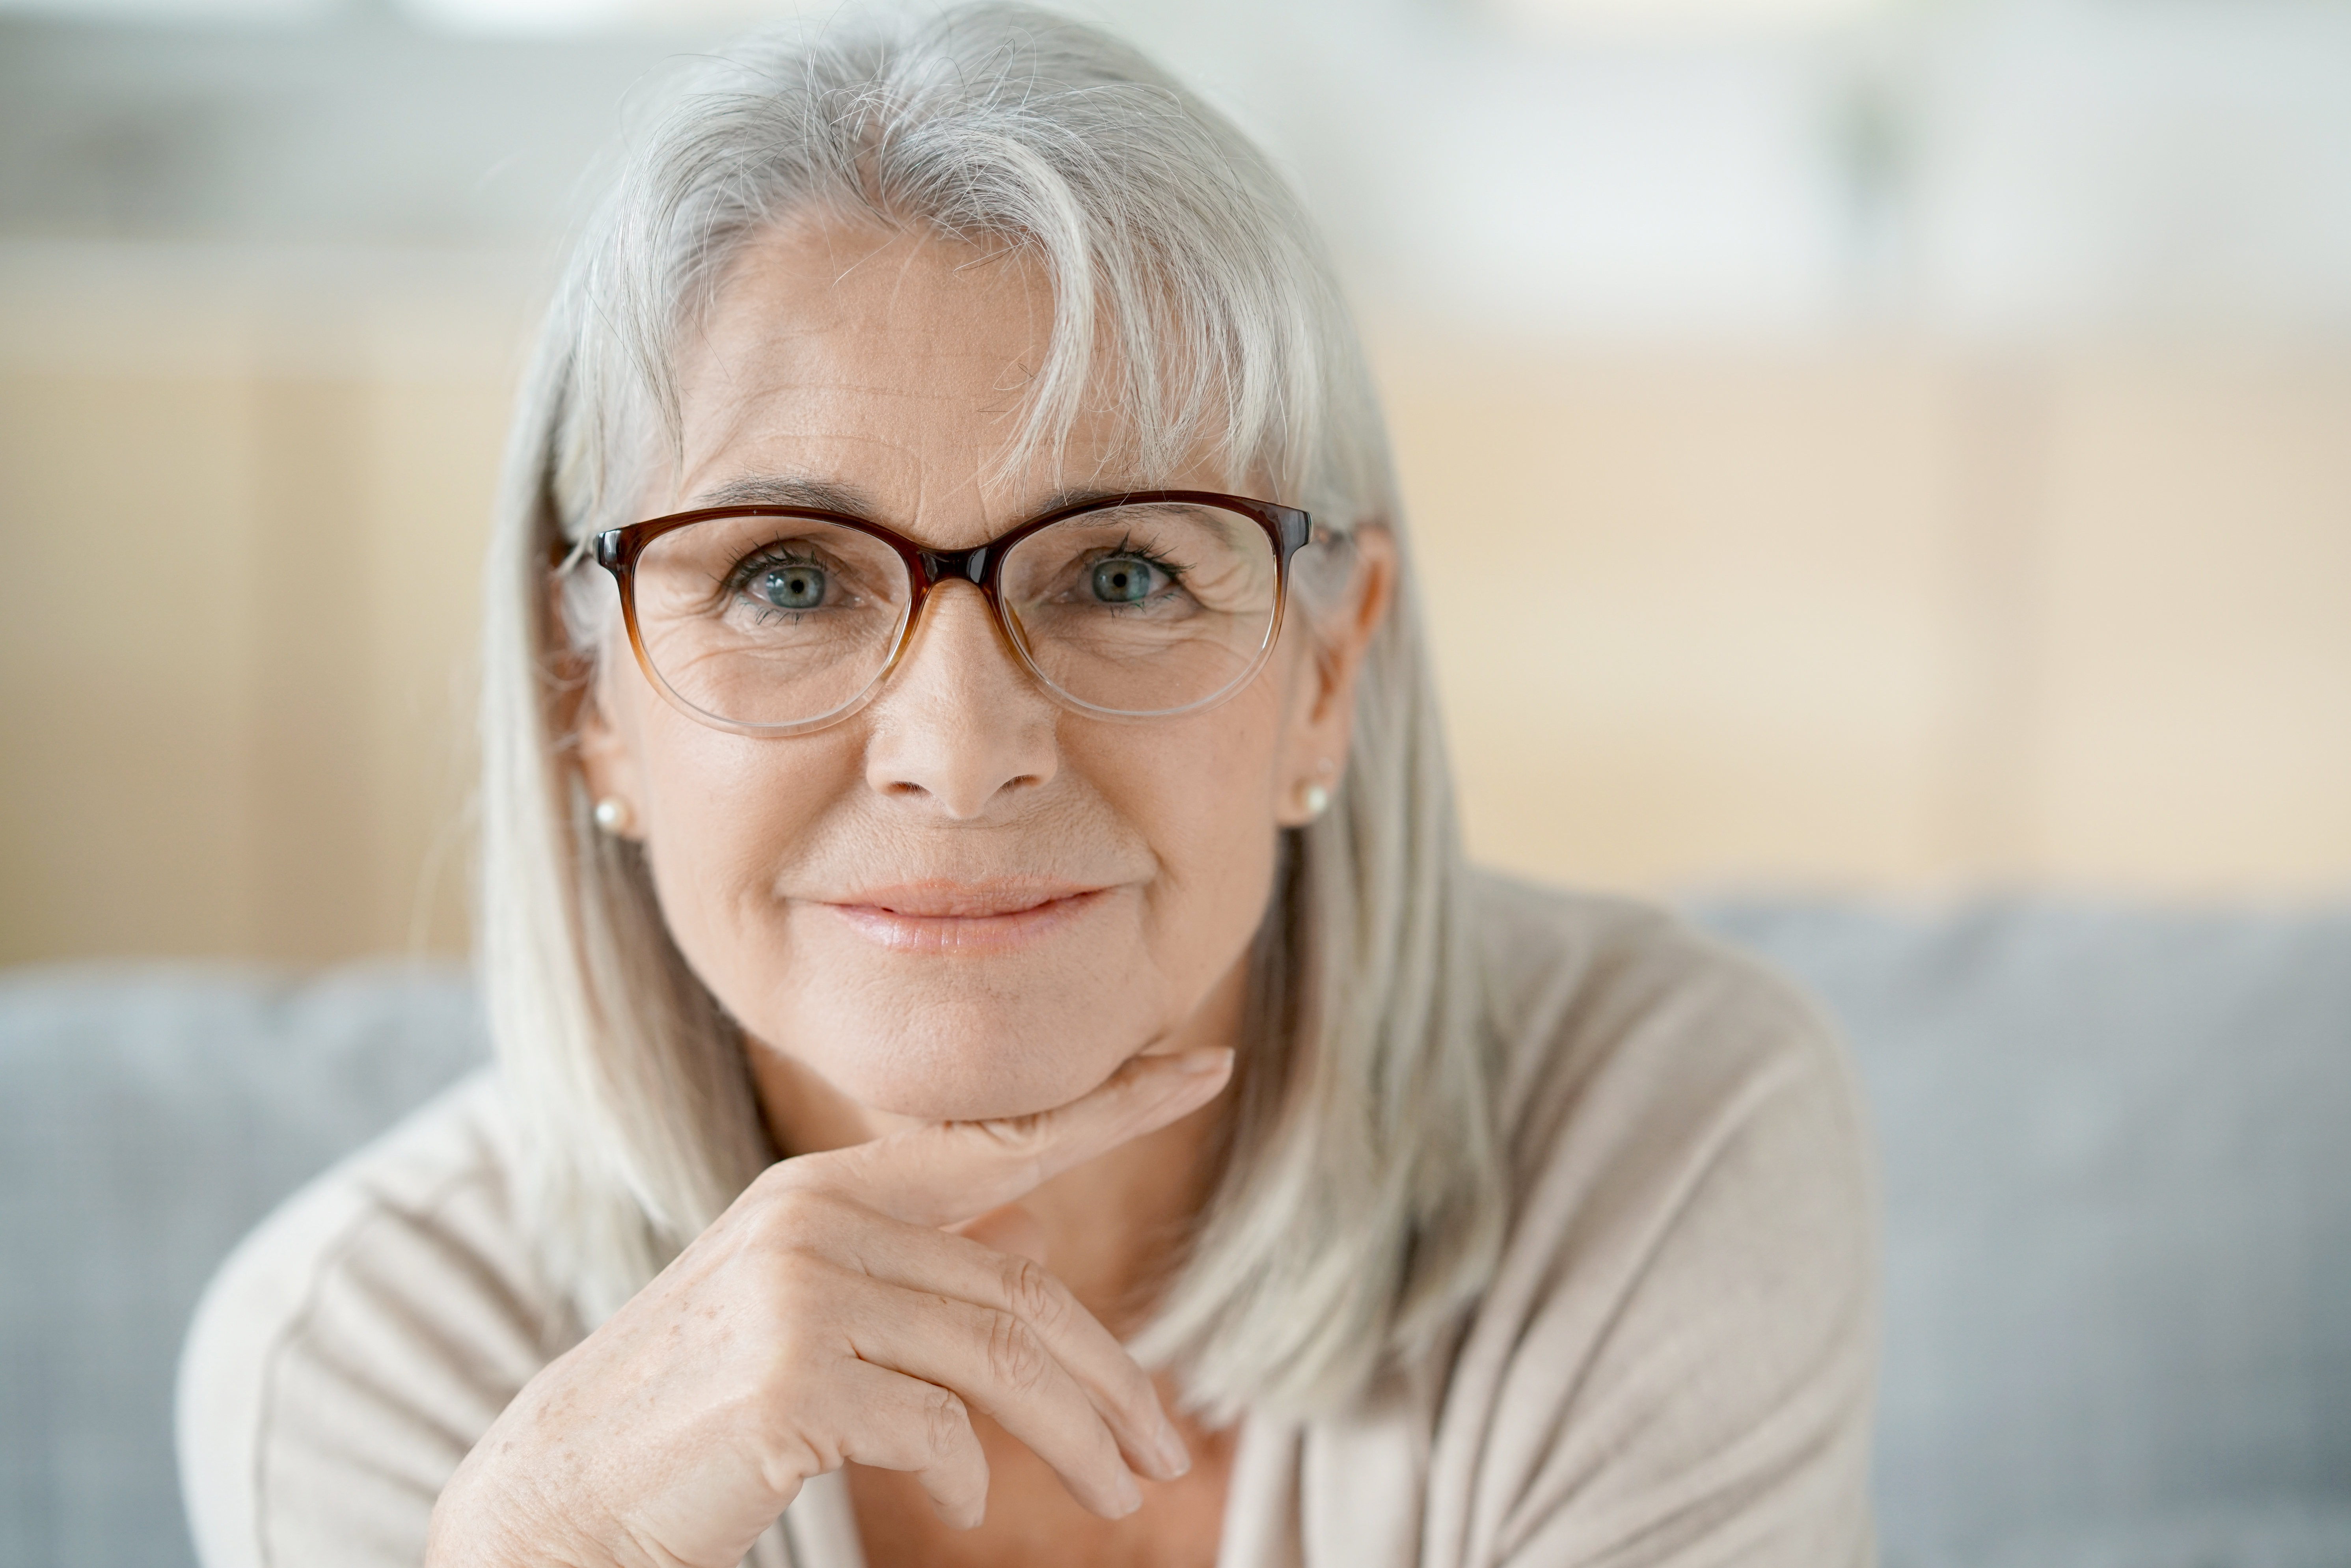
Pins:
x: 781, y: 622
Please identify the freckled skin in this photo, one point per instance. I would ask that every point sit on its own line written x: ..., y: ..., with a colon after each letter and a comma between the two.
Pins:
x: 892, y: 365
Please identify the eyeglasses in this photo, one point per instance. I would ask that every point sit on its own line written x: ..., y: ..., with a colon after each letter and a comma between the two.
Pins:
x: 781, y: 619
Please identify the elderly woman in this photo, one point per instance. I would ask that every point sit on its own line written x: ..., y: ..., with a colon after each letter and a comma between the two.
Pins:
x: 999, y: 1059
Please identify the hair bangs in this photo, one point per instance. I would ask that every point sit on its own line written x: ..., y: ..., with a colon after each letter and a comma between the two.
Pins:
x: 1186, y: 295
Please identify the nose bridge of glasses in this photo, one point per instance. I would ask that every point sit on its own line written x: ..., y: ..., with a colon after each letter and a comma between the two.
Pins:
x: 942, y: 567
x: 939, y: 629
x: 970, y: 565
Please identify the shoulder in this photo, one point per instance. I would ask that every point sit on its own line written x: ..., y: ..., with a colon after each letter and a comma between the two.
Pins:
x: 352, y: 1348
x: 1679, y: 1342
x: 1603, y: 1002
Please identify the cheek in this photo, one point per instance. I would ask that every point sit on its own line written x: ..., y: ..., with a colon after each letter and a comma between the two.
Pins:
x: 1202, y: 792
x: 725, y: 816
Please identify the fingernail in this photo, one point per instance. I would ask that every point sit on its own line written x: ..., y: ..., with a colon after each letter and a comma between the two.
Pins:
x: 1206, y: 1059
x: 1129, y: 1497
x: 1174, y: 1457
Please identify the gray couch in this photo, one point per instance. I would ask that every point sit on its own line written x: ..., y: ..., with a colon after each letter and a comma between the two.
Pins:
x: 2117, y: 1178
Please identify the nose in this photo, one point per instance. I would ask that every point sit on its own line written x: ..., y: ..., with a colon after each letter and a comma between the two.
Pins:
x: 960, y: 725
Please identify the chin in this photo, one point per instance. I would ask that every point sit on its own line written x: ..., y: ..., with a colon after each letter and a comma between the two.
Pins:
x: 959, y: 1063
x: 940, y: 1086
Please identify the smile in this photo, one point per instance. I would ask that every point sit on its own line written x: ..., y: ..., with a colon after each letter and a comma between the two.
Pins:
x: 965, y: 917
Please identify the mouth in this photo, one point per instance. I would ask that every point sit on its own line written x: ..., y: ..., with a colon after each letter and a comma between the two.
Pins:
x: 965, y: 917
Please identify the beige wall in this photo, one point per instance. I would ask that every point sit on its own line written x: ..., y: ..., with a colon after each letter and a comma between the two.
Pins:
x: 245, y: 526
x: 1879, y: 617
x: 1894, y: 619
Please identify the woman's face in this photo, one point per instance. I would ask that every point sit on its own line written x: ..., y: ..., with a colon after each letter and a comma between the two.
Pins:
x: 964, y: 899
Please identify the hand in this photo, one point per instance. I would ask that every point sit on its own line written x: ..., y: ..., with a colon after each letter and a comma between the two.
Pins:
x: 828, y: 1316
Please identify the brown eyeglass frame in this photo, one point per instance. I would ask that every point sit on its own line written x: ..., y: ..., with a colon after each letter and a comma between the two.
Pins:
x: 617, y: 551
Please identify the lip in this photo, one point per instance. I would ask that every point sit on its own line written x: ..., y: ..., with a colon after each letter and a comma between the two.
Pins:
x: 965, y: 917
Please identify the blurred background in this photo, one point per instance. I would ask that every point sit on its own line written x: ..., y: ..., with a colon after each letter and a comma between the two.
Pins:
x: 1882, y: 475
x: 1867, y: 446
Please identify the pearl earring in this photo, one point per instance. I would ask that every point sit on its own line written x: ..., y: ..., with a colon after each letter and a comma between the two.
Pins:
x: 612, y: 814
x: 1317, y: 794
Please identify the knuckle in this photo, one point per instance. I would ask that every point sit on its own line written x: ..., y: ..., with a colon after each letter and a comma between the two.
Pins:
x: 1016, y: 1356
x: 946, y: 1426
x: 793, y: 1219
x: 1032, y: 1293
x: 779, y: 1181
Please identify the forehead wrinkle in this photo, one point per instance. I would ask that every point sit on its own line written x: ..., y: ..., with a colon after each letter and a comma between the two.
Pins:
x: 832, y: 495
x: 989, y: 500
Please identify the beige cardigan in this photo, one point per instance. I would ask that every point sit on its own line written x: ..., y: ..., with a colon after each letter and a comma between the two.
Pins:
x: 1673, y: 1364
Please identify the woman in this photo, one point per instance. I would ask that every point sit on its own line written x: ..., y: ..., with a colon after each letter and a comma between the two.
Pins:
x: 1000, y: 1061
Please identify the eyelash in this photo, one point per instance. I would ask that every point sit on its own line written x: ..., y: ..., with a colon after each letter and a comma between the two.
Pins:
x: 1128, y: 551
x: 770, y: 555
x: 765, y: 557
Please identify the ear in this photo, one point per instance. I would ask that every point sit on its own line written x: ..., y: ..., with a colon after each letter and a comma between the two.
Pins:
x: 1323, y: 712
x: 599, y: 746
x: 608, y: 764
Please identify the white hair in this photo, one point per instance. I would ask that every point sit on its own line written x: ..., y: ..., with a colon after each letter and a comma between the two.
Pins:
x: 1360, y: 1202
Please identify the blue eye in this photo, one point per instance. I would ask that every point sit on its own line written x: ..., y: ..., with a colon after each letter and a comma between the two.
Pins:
x: 1123, y: 580
x: 792, y: 587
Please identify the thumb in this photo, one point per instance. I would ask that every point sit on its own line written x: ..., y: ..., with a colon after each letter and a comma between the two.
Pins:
x: 955, y: 1172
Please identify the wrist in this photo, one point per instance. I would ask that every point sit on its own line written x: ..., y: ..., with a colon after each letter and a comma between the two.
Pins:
x: 483, y: 1520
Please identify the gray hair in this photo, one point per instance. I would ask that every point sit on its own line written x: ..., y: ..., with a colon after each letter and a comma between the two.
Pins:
x: 1360, y: 1202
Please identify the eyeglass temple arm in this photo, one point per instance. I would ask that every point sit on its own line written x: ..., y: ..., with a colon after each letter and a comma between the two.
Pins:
x: 563, y: 554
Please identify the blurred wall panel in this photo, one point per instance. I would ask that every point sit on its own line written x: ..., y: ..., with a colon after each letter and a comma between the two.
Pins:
x: 1693, y: 609
x: 1893, y: 621
x: 2196, y: 732
x: 306, y: 678
x: 128, y: 629
x: 247, y: 533
x: 435, y: 445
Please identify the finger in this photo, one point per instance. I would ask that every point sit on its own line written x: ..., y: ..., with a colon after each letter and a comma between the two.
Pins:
x: 970, y: 1270
x: 1002, y: 1368
x: 894, y: 1422
x: 1011, y: 1228
x: 957, y: 1171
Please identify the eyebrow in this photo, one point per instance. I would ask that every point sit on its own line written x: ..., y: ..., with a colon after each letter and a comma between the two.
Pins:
x: 1084, y: 494
x: 788, y: 490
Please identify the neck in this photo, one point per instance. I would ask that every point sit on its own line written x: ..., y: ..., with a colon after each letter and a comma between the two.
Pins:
x: 1107, y: 1228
